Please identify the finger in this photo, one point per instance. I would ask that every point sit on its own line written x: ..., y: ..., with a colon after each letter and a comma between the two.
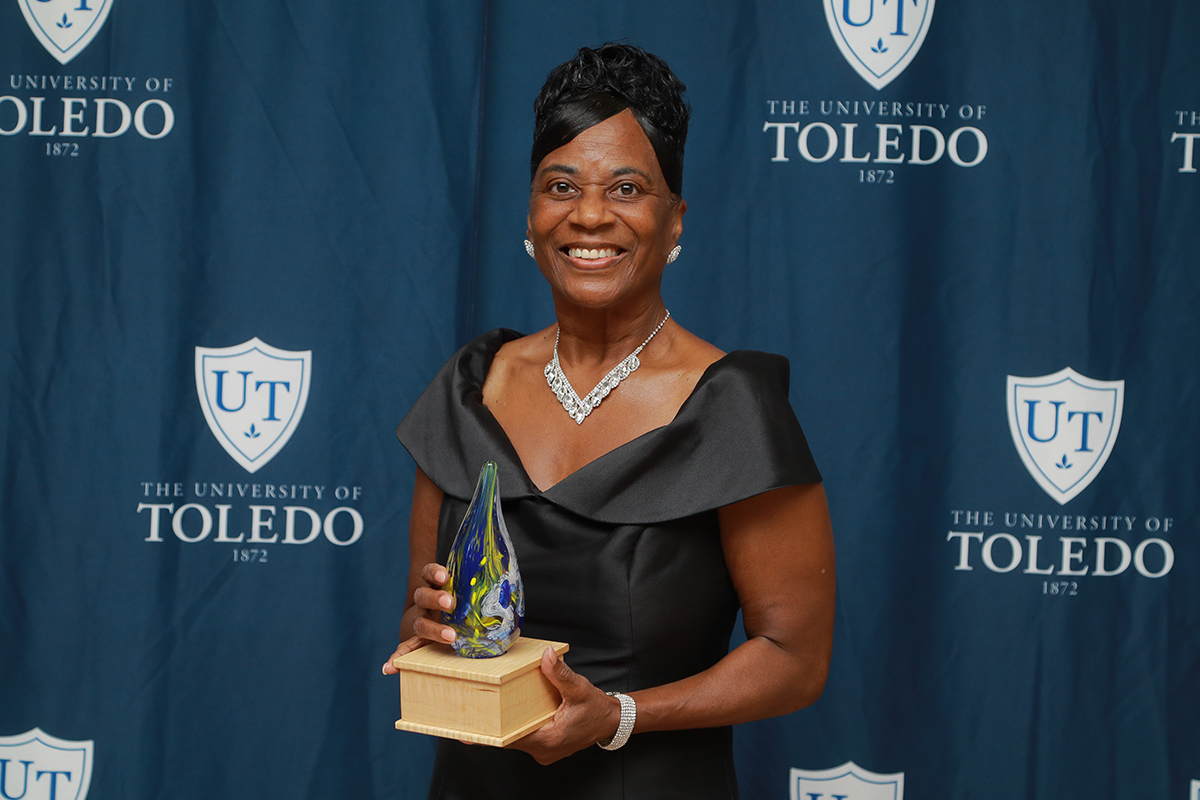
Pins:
x: 404, y: 648
x: 557, y: 671
x: 426, y: 628
x: 433, y: 599
x: 546, y: 748
x: 535, y: 742
x: 434, y: 574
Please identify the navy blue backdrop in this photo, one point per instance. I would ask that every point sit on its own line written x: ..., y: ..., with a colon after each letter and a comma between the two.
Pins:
x: 238, y: 239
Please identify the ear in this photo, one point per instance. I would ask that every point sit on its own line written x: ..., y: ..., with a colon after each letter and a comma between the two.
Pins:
x: 677, y: 226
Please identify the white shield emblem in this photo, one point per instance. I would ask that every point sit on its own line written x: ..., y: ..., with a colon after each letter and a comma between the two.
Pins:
x: 253, y: 396
x: 65, y: 27
x: 847, y: 781
x: 879, y: 38
x: 36, y: 765
x: 1064, y: 426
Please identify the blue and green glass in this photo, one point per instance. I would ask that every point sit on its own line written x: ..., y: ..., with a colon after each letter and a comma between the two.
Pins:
x: 489, y: 606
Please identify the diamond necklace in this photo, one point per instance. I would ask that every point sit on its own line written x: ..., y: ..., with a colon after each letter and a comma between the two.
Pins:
x: 578, y: 408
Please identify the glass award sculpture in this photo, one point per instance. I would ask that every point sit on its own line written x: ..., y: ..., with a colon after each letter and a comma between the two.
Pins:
x: 489, y: 606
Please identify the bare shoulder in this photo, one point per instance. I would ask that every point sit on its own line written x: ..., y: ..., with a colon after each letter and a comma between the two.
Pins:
x: 699, y: 353
x: 689, y: 357
x: 516, y: 358
x: 527, y: 348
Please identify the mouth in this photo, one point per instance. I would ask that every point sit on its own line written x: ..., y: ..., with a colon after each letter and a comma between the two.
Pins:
x: 592, y: 257
x: 593, y: 254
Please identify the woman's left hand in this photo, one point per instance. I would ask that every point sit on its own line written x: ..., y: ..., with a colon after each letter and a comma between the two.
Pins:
x: 585, y: 716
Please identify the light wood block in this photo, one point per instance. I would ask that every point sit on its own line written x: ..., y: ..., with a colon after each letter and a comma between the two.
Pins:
x: 491, y: 701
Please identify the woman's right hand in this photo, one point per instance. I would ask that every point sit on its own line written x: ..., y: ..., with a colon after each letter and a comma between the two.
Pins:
x: 423, y: 616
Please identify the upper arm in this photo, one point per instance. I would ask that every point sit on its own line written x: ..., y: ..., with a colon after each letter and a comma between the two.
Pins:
x: 422, y: 531
x: 778, y: 547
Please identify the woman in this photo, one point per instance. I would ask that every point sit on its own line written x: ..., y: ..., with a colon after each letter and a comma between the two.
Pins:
x: 643, y: 523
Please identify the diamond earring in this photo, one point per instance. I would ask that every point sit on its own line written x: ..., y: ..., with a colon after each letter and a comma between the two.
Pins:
x: 674, y: 254
x: 529, y: 248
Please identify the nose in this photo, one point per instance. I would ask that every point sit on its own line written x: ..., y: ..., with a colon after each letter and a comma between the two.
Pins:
x: 591, y: 210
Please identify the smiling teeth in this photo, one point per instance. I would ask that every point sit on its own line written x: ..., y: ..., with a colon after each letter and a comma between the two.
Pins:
x: 579, y: 252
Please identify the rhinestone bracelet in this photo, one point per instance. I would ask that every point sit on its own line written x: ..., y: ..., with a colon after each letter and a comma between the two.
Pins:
x: 628, y: 715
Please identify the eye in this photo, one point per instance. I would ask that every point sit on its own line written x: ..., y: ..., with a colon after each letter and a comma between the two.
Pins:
x: 628, y: 189
x: 559, y: 187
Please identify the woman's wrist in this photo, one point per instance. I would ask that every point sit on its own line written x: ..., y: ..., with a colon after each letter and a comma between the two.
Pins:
x: 626, y: 717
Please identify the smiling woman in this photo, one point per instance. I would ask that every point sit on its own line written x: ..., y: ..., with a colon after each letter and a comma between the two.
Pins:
x: 603, y: 219
x: 645, y: 524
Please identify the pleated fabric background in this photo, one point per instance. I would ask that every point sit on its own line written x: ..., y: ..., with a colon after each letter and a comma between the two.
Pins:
x: 196, y: 595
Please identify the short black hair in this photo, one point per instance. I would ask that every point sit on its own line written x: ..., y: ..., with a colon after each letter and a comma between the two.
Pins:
x: 600, y: 83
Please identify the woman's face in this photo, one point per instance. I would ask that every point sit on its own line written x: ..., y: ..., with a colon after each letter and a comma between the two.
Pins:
x: 601, y: 216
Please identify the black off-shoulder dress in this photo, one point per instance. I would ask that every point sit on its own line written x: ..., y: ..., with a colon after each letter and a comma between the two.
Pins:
x: 621, y: 559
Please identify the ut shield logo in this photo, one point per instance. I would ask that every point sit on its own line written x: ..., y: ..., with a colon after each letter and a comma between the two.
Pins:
x: 37, y: 766
x: 1064, y: 427
x: 847, y: 782
x: 65, y: 27
x: 879, y: 38
x: 253, y: 396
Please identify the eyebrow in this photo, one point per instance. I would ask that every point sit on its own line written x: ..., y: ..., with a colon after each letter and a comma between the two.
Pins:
x: 616, y: 173
x: 557, y: 168
x: 632, y: 171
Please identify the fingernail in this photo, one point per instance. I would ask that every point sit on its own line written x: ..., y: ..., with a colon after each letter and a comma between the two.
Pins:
x: 448, y: 635
x: 550, y: 652
x: 384, y: 670
x: 440, y: 576
x: 445, y: 602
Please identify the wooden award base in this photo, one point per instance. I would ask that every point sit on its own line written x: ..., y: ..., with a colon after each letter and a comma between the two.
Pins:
x: 491, y: 701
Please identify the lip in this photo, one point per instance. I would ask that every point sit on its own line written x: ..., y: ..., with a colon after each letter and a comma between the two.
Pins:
x: 578, y: 254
